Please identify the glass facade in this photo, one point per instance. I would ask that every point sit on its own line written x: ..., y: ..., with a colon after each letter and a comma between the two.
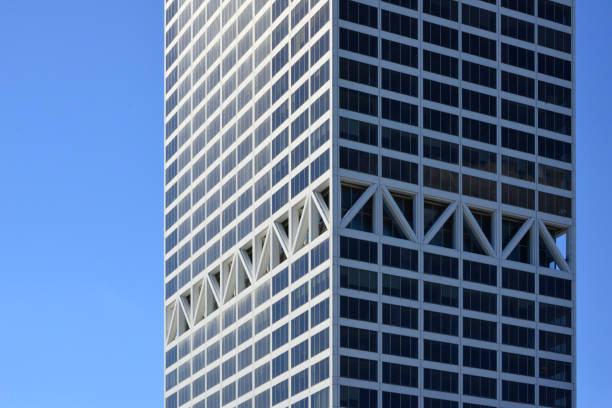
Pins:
x: 369, y: 203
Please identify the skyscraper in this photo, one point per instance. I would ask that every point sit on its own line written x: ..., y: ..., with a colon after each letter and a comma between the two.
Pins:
x: 369, y: 203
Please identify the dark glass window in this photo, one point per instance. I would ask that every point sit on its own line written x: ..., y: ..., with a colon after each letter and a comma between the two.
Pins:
x: 479, y: 329
x: 359, y: 72
x: 480, y: 46
x: 440, y: 35
x: 519, y: 29
x: 399, y: 53
x: 518, y: 84
x: 399, y: 24
x: 479, y: 358
x: 358, y: 368
x: 440, y: 64
x: 358, y: 309
x: 440, y: 352
x: 447, y: 9
x: 359, y: 13
x: 358, y: 339
x: 480, y: 131
x: 477, y: 17
x: 439, y: 380
x: 398, y: 345
x: 437, y: 149
x: 400, y: 374
x: 479, y: 74
x: 358, y: 131
x: 399, y: 82
x: 358, y: 42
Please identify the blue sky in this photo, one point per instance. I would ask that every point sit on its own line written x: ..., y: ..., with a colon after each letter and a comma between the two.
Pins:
x: 81, y: 227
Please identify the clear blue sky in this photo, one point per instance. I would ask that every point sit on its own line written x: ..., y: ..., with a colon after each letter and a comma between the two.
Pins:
x: 81, y: 207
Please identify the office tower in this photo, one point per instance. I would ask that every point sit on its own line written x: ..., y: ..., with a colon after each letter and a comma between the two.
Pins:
x: 369, y: 203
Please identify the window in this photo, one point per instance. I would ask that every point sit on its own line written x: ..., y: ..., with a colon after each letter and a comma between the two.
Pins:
x: 555, y: 314
x: 319, y: 371
x: 399, y: 24
x: 480, y: 358
x: 440, y: 35
x: 479, y: 159
x: 552, y: 11
x: 555, y: 342
x: 479, y: 386
x: 359, y: 339
x: 518, y: 280
x: 358, y: 131
x: 358, y: 160
x: 400, y: 316
x: 353, y: 397
x: 319, y: 342
x: 447, y: 9
x: 480, y: 273
x: 554, y: 149
x: 399, y: 170
x: 398, y: 286
x: 393, y: 399
x: 555, y: 122
x: 480, y: 131
x: 518, y: 140
x: 518, y: 336
x: 440, y: 265
x: 516, y: 28
x: 398, y: 257
x: 358, y: 309
x: 442, y: 323
x: 440, y: 121
x: 400, y: 374
x: 359, y: 72
x: 359, y: 279
x: 444, y: 295
x: 440, y: 352
x: 399, y: 82
x: 555, y: 397
x: 358, y: 249
x: 518, y: 392
x: 518, y: 364
x: 399, y: 345
x: 555, y: 67
x: 358, y: 368
x: 517, y: 56
x: 358, y: 42
x: 358, y: 13
x: 479, y: 74
x: 397, y: 111
x: 479, y: 329
x: 358, y: 101
x: 440, y: 92
x: 522, y: 6
x: 479, y: 102
x: 477, y: 17
x: 555, y: 39
x: 439, y: 380
x: 440, y: 64
x: 479, y: 46
x: 518, y: 168
x: 399, y: 53
x: 555, y: 370
x: 398, y: 140
x: 479, y: 301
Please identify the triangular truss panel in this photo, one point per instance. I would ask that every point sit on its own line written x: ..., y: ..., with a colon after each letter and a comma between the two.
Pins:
x: 476, y: 228
x: 439, y: 230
